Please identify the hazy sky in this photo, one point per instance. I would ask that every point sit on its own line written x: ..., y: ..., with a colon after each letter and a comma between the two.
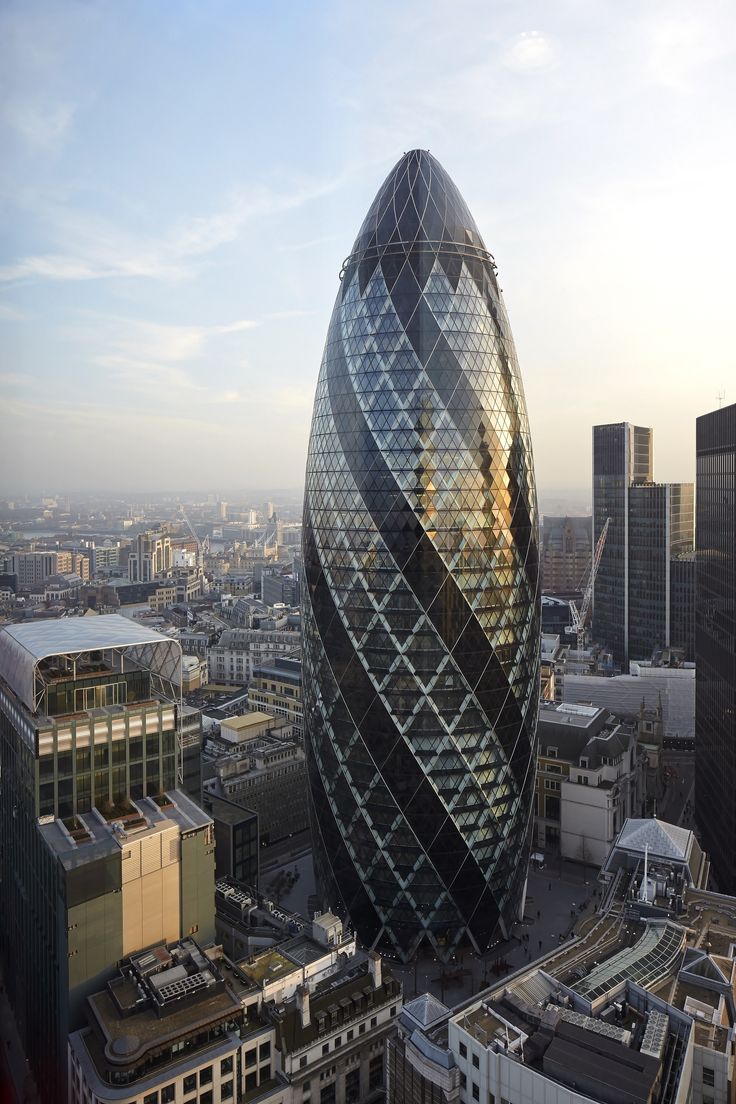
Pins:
x: 181, y: 182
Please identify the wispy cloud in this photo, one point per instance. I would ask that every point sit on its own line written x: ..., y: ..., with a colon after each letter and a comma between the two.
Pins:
x: 42, y: 124
x: 94, y: 248
x: 15, y: 379
x: 9, y: 313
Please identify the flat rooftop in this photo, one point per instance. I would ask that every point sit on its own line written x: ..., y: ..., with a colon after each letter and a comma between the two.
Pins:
x: 83, y: 839
x: 247, y: 720
x: 267, y: 967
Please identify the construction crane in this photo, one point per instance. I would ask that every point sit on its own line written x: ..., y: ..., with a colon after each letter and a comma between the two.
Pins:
x: 198, y: 542
x: 579, y: 617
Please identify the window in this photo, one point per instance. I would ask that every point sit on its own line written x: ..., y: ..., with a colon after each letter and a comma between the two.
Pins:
x: 361, y: 1029
x: 302, y: 1061
x: 250, y: 1058
x: 190, y: 1082
x: 463, y: 1081
x: 226, y: 1065
x: 205, y: 1098
x: 476, y: 1092
x: 151, y: 1098
x: 338, y: 1041
x: 325, y: 1048
x: 476, y: 1061
x: 374, y: 1021
x: 393, y: 1009
x: 375, y: 1073
x: 205, y: 1076
x: 463, y: 1050
x: 264, y: 1051
x: 350, y: 1035
x: 168, y: 1094
x: 226, y: 1091
x: 709, y: 1076
x: 251, y: 1080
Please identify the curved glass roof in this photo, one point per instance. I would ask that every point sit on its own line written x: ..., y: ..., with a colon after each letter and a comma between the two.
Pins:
x: 22, y: 647
x: 650, y: 959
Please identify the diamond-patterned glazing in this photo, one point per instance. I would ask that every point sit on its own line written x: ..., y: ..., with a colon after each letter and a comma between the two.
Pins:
x: 421, y: 609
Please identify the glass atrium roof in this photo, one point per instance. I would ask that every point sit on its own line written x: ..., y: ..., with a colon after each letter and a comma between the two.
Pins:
x: 650, y: 958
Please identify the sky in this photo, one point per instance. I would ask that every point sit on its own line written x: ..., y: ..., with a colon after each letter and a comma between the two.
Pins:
x: 182, y: 181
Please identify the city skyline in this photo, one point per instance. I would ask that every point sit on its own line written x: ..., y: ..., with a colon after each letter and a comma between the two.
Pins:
x: 149, y: 292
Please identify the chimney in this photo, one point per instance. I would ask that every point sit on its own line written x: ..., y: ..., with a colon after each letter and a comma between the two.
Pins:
x: 302, y: 1003
x: 374, y: 966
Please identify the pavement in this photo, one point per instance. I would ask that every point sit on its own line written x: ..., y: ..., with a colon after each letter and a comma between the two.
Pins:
x: 559, y: 898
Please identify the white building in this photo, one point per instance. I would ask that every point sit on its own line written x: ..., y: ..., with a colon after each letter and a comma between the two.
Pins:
x: 590, y: 778
x: 637, y: 1010
x: 232, y: 659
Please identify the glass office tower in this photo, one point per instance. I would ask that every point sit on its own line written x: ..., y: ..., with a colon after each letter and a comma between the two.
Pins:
x: 622, y: 456
x: 715, y: 642
x: 421, y: 611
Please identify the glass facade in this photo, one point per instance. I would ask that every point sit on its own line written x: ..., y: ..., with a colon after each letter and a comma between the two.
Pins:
x: 715, y: 642
x: 650, y: 525
x: 421, y: 611
x: 622, y: 455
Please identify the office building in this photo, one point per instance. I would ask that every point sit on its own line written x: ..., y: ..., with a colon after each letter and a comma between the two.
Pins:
x: 237, y: 843
x: 420, y: 583
x: 591, y: 777
x: 565, y: 554
x: 682, y: 604
x: 264, y: 770
x: 34, y: 568
x: 279, y: 589
x: 715, y: 642
x: 276, y: 688
x: 150, y: 558
x: 305, y: 1020
x: 636, y: 1010
x: 238, y: 651
x: 651, y: 524
x: 88, y: 732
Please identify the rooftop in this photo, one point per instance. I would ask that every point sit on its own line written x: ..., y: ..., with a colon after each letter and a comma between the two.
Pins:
x: 90, y: 836
x: 23, y: 647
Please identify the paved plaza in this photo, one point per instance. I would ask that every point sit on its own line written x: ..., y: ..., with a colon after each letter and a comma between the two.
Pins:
x: 560, y: 897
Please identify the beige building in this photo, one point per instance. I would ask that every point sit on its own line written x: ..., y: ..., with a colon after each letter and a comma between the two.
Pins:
x: 34, y: 568
x: 150, y: 557
x: 276, y: 688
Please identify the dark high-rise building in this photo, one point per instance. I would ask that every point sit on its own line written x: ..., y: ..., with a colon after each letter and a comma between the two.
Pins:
x: 651, y: 524
x: 715, y: 642
x: 682, y: 604
x: 622, y: 455
x: 421, y: 603
x: 100, y: 854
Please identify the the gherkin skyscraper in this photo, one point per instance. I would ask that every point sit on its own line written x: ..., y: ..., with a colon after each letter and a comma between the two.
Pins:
x: 421, y: 604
